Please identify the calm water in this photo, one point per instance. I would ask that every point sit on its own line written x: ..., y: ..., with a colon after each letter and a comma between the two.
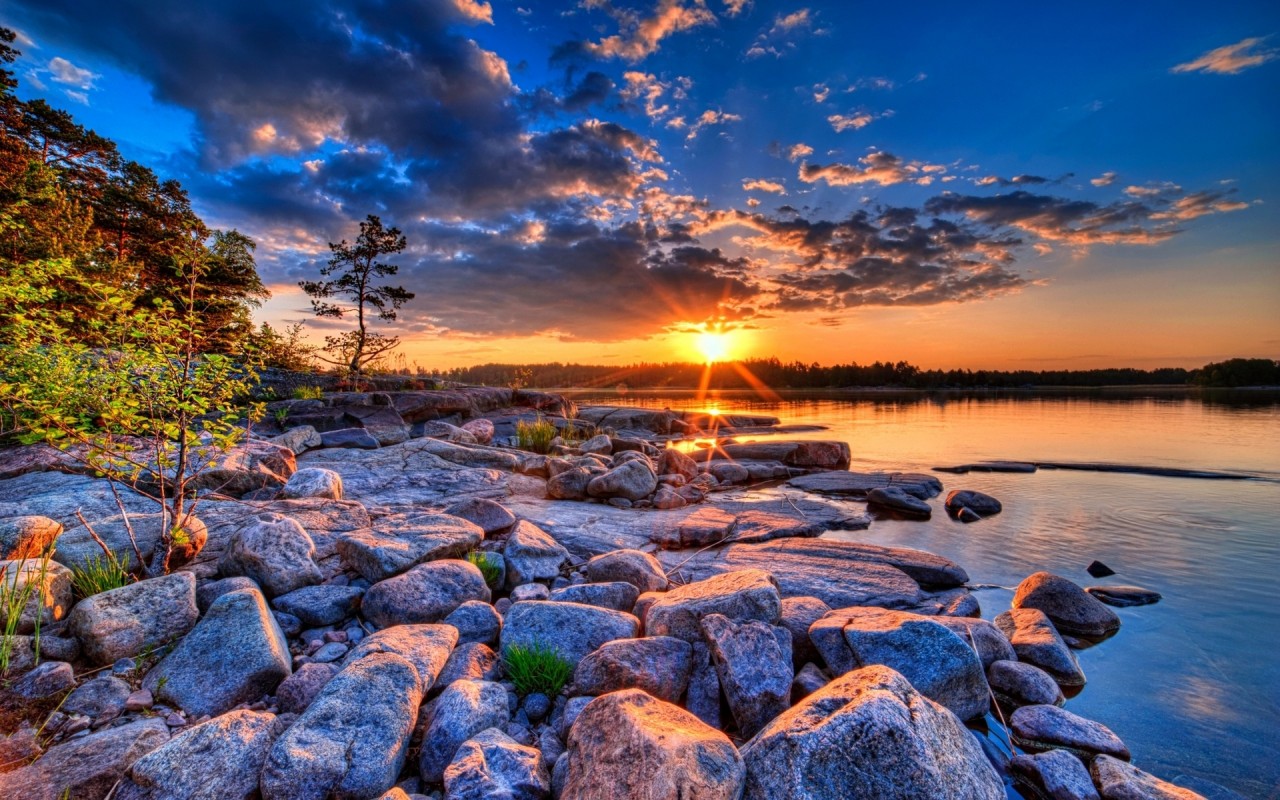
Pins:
x: 1192, y: 684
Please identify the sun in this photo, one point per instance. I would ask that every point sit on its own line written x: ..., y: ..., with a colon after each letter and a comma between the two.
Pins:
x: 714, y: 345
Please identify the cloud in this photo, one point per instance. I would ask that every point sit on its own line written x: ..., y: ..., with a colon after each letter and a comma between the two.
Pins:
x: 796, y: 20
x: 856, y: 121
x: 880, y: 168
x: 821, y: 92
x: 1231, y: 59
x: 641, y: 86
x: 798, y: 151
x: 733, y: 8
x: 780, y: 36
x: 475, y: 11
x: 1153, y: 189
x: 708, y: 118
x: 763, y: 185
x: 1199, y: 204
x: 1105, y: 179
x: 641, y: 36
x: 68, y: 74
x: 1016, y: 180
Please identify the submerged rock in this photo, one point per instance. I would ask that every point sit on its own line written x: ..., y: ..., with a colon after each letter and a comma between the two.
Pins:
x: 1071, y: 609
x: 1048, y: 727
x: 984, y: 505
x: 1124, y: 596
x: 900, y: 501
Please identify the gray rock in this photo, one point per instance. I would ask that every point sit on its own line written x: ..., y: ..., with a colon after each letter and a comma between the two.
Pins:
x: 659, y: 665
x: 572, y: 630
x: 103, y: 696
x: 85, y: 767
x: 753, y: 661
x: 908, y: 747
x: 1117, y: 780
x: 900, y: 501
x: 932, y: 657
x: 323, y: 604
x: 493, y: 766
x: 666, y: 497
x: 570, y: 484
x: 398, y: 542
x: 762, y: 526
x: 464, y: 709
x: 682, y: 757
x: 1124, y: 596
x: 357, y: 438
x: 330, y: 651
x: 470, y: 662
x: 1057, y: 775
x: 618, y: 595
x: 426, y: 647
x: 1071, y: 609
x: 532, y: 555
x: 274, y: 551
x: 674, y: 462
x: 798, y: 614
x: 491, y: 517
x: 123, y: 622
x: 299, y: 439
x: 76, y: 548
x: 476, y: 621
x: 985, y: 639
x: 633, y: 481
x: 1037, y: 642
x: 427, y: 593
x: 235, y: 654
x: 313, y: 482
x: 1018, y: 684
x: 984, y: 505
x: 49, y: 597
x: 741, y: 596
x: 215, y: 760
x: 637, y: 568
x: 27, y: 537
x: 48, y: 678
x: 729, y: 472
x: 207, y: 592
x: 530, y: 591
x: 351, y: 741
x: 1047, y: 727
x: 703, y: 696
x: 808, y: 680
x: 858, y: 485
x: 297, y: 691
x: 706, y: 526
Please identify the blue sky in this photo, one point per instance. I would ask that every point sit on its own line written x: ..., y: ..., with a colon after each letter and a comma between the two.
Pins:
x: 597, y: 180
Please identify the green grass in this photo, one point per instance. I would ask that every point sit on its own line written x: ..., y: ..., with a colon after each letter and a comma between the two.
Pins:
x: 535, y: 436
x: 281, y: 415
x: 536, y: 669
x: 13, y: 599
x: 98, y: 574
x: 487, y: 566
x: 308, y: 393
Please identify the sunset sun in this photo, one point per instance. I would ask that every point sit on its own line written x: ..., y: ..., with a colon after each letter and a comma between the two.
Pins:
x: 714, y: 346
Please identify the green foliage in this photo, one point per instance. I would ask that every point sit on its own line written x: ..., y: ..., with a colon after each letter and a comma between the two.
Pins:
x: 308, y: 393
x: 282, y: 349
x: 535, y: 436
x: 282, y: 416
x: 14, y: 599
x: 536, y: 669
x: 487, y: 566
x: 98, y: 574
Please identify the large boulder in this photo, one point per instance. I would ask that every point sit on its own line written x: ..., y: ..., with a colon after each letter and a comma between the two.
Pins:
x: 984, y: 505
x: 741, y: 596
x: 351, y: 741
x: 618, y: 595
x: 493, y: 766
x: 1070, y: 608
x: 476, y: 621
x: 215, y: 760
x: 400, y: 541
x: 235, y: 654
x: 85, y: 768
x: 983, y: 637
x: 1037, y: 642
x: 753, y: 662
x: 1117, y: 780
x: 46, y: 585
x: 907, y: 747
x: 313, y: 482
x: 633, y: 480
x: 492, y: 517
x: 275, y: 551
x: 463, y: 709
x: 296, y: 692
x: 27, y: 537
x: 299, y: 439
x: 682, y: 758
x: 936, y: 661
x: 77, y: 548
x: 123, y: 622
x: 470, y: 662
x: 427, y: 593
x: 635, y: 567
x: 1016, y: 683
x: 426, y: 647
x: 659, y: 665
x: 532, y: 555
x: 572, y: 630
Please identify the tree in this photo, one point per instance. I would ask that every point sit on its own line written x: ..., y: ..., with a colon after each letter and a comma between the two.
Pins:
x: 358, y: 268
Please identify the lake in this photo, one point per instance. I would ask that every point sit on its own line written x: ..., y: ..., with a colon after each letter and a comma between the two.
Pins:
x: 1191, y: 684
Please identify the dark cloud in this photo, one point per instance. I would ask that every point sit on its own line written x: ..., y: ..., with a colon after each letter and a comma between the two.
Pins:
x: 1060, y: 220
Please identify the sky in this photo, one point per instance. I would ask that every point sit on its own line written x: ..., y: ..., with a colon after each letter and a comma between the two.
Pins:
x: 989, y: 185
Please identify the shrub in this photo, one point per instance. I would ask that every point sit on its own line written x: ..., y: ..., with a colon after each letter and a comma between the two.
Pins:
x: 98, y: 574
x: 487, y: 566
x: 535, y: 436
x: 308, y: 393
x: 536, y: 669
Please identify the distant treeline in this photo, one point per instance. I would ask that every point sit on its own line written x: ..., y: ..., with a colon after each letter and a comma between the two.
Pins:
x: 796, y: 375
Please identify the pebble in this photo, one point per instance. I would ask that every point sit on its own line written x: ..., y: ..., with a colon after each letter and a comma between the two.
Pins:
x: 335, y: 636
x: 139, y: 701
x: 330, y: 652
x: 175, y: 720
x: 537, y: 706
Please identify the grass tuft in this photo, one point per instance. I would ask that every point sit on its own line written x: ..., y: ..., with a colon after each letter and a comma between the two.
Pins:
x: 487, y: 565
x: 536, y: 669
x: 14, y: 600
x: 308, y: 393
x: 98, y: 574
x: 535, y: 436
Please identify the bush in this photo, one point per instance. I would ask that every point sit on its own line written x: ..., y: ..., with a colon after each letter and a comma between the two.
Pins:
x: 487, y: 566
x: 537, y: 669
x: 535, y: 436
x: 99, y: 574
x: 308, y: 393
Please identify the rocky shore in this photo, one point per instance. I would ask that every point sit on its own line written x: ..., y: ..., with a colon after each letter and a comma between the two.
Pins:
x: 353, y: 615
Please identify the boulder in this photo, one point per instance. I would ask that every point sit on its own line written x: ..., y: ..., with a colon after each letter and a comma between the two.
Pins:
x: 235, y: 654
x: 703, y: 695
x: 682, y: 758
x: 297, y: 691
x: 532, y: 555
x: 425, y: 647
x: 121, y: 623
x: 351, y: 741
x: 299, y: 439
x: 570, y: 484
x: 666, y: 497
x: 703, y: 527
x: 464, y: 709
x: 209, y: 591
x: 741, y: 596
x: 427, y: 593
x: 900, y: 501
x: 215, y: 760
x: 618, y: 595
x: 798, y: 614
x: 908, y: 747
x: 401, y: 541
x: 313, y: 482
x: 728, y: 472
x: 274, y: 551
x: 1117, y: 780
x: 1037, y: 642
x: 27, y: 537
x: 1070, y: 608
x: 1015, y: 683
x: 77, y: 549
x: 659, y: 665
x: 633, y: 480
x: 1124, y: 596
x: 493, y: 766
x: 933, y: 658
x: 46, y: 679
x: 637, y: 568
x: 808, y: 680
x: 475, y: 621
x: 481, y: 429
x: 1048, y: 727
x: 491, y: 517
x: 753, y: 662
x: 320, y: 605
x: 674, y: 462
x: 47, y: 586
x: 984, y: 638
x: 470, y: 662
x: 104, y: 696
x: 1055, y: 775
x: 250, y: 465
x: 984, y: 505
x: 572, y: 630
x: 356, y: 438
x: 85, y: 768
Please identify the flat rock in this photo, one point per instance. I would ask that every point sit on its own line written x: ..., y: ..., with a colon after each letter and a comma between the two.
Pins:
x: 419, y: 472
x: 659, y: 665
x: 572, y: 630
x: 1015, y: 683
x: 77, y: 549
x: 123, y: 622
x: 908, y: 747
x: 984, y: 505
x: 425, y: 647
x: 493, y: 766
x: 832, y: 455
x: 618, y: 595
x: 1057, y: 774
x: 352, y: 740
x: 399, y: 542
x: 682, y: 757
x: 27, y: 537
x: 215, y: 760
x: 320, y: 605
x: 532, y: 555
x: 1117, y: 780
x: 464, y: 709
x: 741, y: 596
x: 1071, y: 609
x: 708, y: 525
x: 350, y: 437
x: 313, y: 482
x: 275, y: 552
x: 299, y: 439
x: 492, y: 517
x: 427, y: 593
x: 1046, y: 727
x: 85, y: 768
x: 761, y: 526
x: 857, y: 485
x: 991, y: 466
x: 753, y: 662
x: 104, y: 696
x: 637, y: 568
x: 1124, y: 596
x: 1037, y: 642
x: 235, y: 654
x: 900, y: 501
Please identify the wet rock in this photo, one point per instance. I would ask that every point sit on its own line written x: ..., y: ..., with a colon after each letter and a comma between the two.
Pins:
x: 659, y: 665
x: 86, y: 767
x: 426, y: 647
x: 351, y: 741
x: 313, y: 482
x: 632, y: 566
x: 1097, y: 569
x: 491, y: 517
x: 572, y: 630
x: 1071, y: 609
x: 123, y: 622
x: 476, y: 621
x: 1124, y: 596
x: 399, y: 542
x: 76, y: 548
x: 984, y: 505
x: 634, y: 480
x: 753, y: 662
x: 470, y: 662
x: 908, y: 746
x: 103, y: 696
x: 49, y: 678
x: 320, y: 605
x: 274, y: 551
x: 357, y: 438
x: 1037, y: 642
x: 682, y: 757
x: 427, y: 593
x: 798, y: 614
x: 464, y: 709
x: 215, y: 760
x: 1046, y: 727
x: 27, y: 537
x: 932, y: 657
x: 493, y: 766
x: 967, y: 515
x: 1117, y: 780
x: 532, y: 555
x: 235, y: 654
x: 728, y: 473
x: 858, y: 485
x: 1056, y: 775
x: 1015, y: 683
x: 985, y: 639
x: 900, y: 501
x: 618, y: 595
x: 299, y: 689
x: 49, y: 597
x: 741, y: 596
